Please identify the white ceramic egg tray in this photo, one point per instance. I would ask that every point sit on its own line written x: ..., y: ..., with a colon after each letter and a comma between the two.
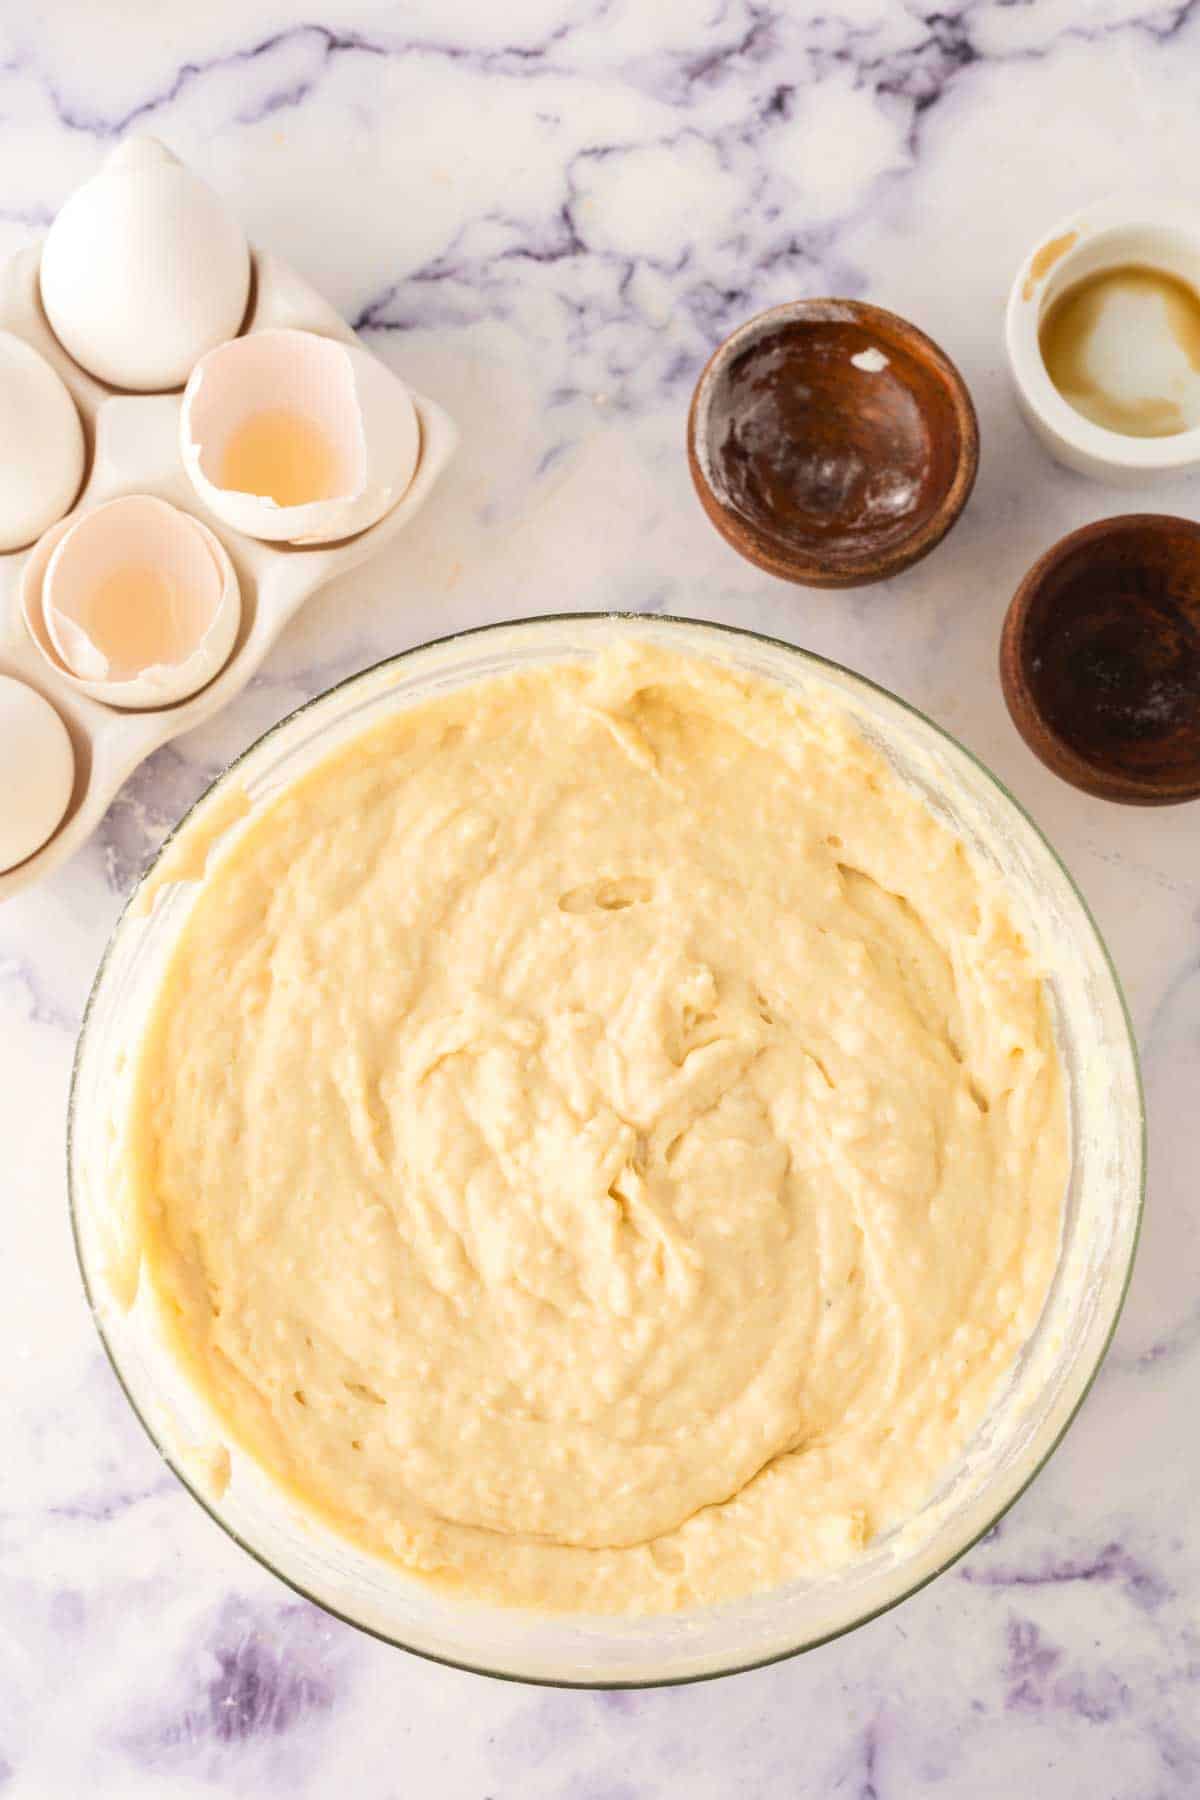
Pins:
x: 134, y: 444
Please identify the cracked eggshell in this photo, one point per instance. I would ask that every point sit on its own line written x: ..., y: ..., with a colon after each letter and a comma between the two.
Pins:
x: 41, y: 444
x: 144, y: 270
x: 362, y: 412
x: 139, y: 552
x: 37, y: 771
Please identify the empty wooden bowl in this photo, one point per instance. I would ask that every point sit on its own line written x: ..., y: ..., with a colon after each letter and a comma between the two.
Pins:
x: 1100, y: 659
x: 831, y: 442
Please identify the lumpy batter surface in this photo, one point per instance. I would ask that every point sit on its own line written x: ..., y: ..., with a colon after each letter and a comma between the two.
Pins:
x: 600, y: 1139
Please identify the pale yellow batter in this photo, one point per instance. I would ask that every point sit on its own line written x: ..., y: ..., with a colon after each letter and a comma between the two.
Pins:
x: 603, y: 1138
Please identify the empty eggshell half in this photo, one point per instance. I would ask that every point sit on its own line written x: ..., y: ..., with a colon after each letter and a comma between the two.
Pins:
x: 140, y: 603
x: 41, y: 444
x: 143, y: 270
x: 297, y: 438
x: 37, y: 771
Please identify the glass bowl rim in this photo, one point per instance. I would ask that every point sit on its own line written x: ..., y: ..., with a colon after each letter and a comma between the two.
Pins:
x: 193, y: 1486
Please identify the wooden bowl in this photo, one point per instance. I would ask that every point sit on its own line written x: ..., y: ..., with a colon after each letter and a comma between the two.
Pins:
x: 831, y: 442
x: 1100, y: 659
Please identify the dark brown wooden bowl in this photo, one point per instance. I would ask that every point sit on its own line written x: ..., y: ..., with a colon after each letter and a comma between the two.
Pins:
x: 1100, y: 659
x: 823, y: 470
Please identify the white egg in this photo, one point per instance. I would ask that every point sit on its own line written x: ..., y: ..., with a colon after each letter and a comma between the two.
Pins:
x: 41, y: 444
x: 37, y: 771
x: 138, y: 601
x: 144, y: 270
x: 297, y: 438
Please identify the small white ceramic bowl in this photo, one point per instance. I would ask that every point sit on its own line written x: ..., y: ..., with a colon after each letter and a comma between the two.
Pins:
x: 1104, y: 236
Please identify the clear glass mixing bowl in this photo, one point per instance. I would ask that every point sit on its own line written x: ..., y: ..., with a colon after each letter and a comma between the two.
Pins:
x: 1103, y: 1204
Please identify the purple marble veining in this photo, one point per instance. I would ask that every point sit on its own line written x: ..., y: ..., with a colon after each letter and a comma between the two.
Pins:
x: 99, y: 1508
x: 156, y: 795
x: 252, y: 1676
x: 1112, y: 1564
x: 257, y: 1690
x: 19, y: 983
x: 1039, y: 1678
x: 319, y: 41
x: 869, y: 1789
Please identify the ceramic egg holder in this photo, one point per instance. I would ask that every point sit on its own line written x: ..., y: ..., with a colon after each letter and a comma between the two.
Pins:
x: 134, y: 444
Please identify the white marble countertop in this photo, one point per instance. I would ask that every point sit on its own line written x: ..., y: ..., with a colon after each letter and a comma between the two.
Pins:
x: 545, y: 214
